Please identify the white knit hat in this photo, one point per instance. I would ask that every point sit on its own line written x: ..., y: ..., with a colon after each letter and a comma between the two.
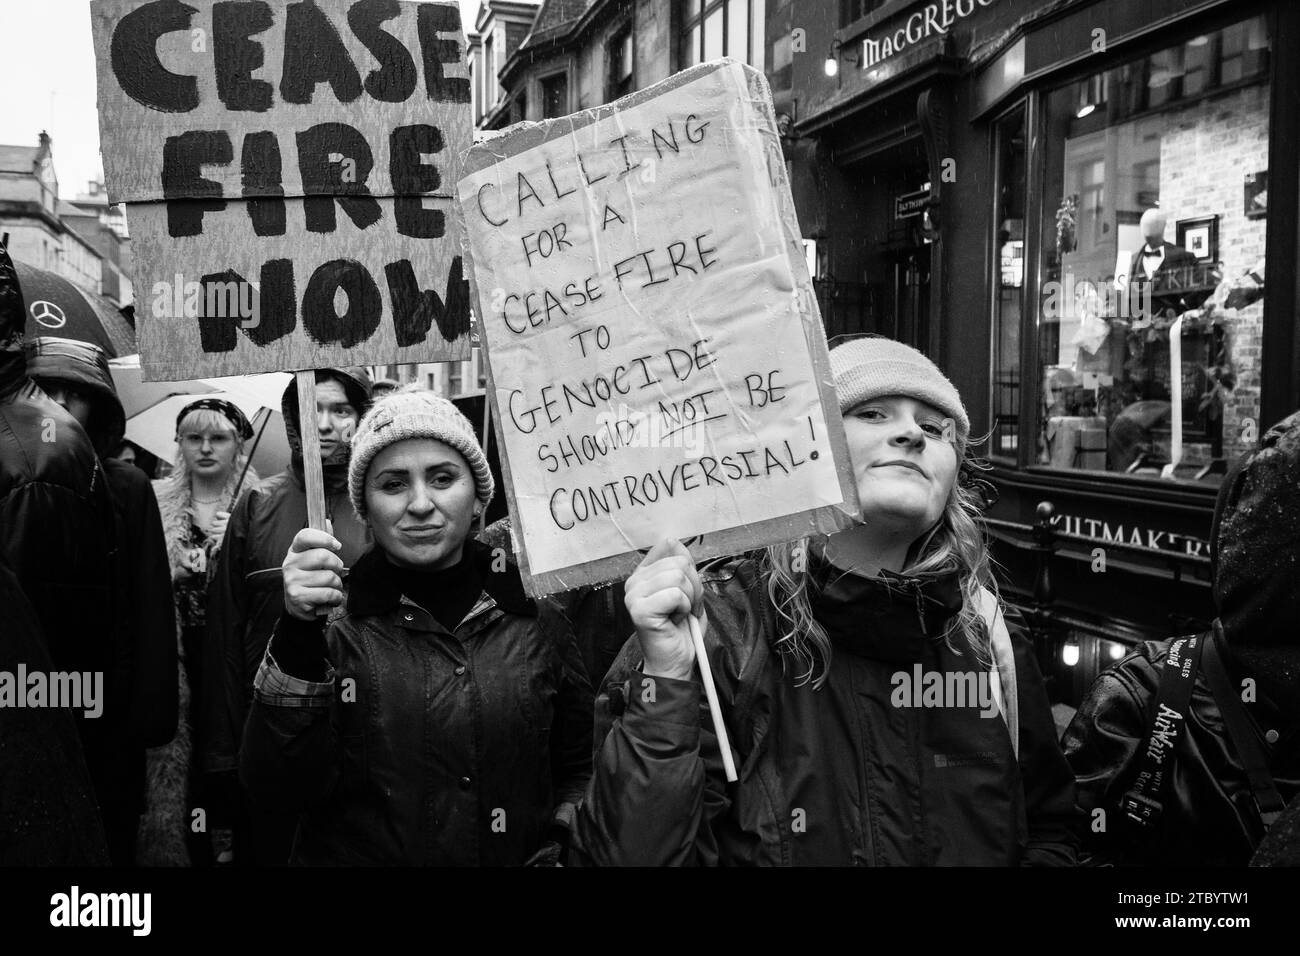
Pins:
x: 870, y: 367
x: 415, y: 413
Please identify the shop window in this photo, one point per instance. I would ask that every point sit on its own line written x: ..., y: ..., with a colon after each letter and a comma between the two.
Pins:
x: 718, y: 28
x: 1009, y: 280
x: 555, y: 96
x: 1150, y: 304
x: 619, y: 56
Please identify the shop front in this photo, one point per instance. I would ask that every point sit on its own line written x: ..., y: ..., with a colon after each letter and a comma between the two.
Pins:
x: 1091, y: 183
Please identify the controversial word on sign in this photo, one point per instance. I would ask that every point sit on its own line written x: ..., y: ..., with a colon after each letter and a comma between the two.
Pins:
x: 287, y: 169
x: 658, y: 365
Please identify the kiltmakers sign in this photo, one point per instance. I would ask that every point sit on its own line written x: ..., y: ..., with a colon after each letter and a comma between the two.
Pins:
x: 934, y: 19
x: 288, y: 170
x: 1104, y: 531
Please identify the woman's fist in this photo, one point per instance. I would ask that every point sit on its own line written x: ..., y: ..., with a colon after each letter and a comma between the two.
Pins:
x: 661, y: 595
x: 313, y: 574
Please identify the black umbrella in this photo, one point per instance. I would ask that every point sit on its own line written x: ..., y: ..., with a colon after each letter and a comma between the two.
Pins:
x: 57, y: 307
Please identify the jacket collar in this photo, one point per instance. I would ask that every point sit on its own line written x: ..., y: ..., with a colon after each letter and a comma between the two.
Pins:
x: 890, y: 617
x: 334, y: 469
x: 372, y: 590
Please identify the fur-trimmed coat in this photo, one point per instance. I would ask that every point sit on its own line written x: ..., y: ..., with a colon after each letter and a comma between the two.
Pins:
x: 165, y: 823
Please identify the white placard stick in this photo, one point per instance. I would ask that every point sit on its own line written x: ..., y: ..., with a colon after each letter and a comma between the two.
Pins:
x: 313, y: 476
x: 1175, y: 398
x: 711, y: 692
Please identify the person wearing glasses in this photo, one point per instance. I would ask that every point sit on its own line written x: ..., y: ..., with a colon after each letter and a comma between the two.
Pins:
x: 194, y: 501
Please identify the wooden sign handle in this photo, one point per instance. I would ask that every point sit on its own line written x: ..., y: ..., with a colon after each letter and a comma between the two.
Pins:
x: 313, y: 475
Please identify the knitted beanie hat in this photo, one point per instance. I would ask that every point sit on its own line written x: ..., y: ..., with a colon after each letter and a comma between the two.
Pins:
x: 870, y: 367
x: 414, y: 413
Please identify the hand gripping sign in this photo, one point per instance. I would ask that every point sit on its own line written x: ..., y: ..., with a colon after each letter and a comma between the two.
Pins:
x: 657, y: 361
x: 287, y: 169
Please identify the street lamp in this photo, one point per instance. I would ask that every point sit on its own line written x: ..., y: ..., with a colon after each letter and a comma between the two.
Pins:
x: 832, y: 64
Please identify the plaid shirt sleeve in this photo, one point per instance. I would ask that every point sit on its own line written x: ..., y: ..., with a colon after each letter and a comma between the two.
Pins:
x: 273, y: 686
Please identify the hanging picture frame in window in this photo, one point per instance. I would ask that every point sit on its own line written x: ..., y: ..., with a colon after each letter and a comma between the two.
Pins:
x: 1200, y: 237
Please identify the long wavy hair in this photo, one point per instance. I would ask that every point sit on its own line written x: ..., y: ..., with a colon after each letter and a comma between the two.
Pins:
x: 175, y: 494
x: 955, y: 543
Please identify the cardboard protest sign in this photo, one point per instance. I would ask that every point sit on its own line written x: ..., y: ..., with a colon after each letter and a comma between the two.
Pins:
x: 288, y: 171
x: 658, y: 365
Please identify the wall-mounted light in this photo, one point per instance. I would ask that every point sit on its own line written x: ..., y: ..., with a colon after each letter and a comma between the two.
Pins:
x: 832, y: 64
x: 1070, y: 654
x: 1092, y: 93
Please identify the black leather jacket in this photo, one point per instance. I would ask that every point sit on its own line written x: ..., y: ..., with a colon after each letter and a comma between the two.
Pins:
x: 1209, y: 815
x: 1209, y: 811
x: 426, y: 747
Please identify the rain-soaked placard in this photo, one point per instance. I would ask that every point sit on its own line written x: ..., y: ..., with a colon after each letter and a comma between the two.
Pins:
x: 287, y: 169
x: 658, y: 364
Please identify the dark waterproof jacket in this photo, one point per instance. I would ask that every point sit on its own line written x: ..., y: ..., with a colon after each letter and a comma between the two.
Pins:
x: 246, y: 595
x: 427, y: 747
x: 56, y: 517
x: 1209, y: 813
x: 831, y: 776
x: 143, y: 691
x: 48, y: 815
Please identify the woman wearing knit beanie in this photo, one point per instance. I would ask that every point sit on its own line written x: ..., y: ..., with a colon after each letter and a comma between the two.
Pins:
x: 881, y: 708
x: 440, y: 716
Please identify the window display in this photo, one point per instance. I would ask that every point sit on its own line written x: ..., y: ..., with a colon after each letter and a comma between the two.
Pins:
x: 1150, y: 311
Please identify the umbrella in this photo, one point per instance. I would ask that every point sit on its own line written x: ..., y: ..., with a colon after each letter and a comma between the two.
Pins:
x: 136, y: 395
x: 57, y: 307
x: 151, y: 415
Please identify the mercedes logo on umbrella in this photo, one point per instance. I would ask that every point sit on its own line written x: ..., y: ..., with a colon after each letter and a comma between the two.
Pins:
x: 48, y: 314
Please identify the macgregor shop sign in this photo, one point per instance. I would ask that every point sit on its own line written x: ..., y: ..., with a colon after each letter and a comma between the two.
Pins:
x: 934, y: 19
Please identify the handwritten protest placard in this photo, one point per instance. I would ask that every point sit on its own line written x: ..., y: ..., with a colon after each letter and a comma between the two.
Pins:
x: 658, y: 365
x: 287, y: 169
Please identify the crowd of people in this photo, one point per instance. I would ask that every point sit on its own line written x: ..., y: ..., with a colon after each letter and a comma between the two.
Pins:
x: 384, y: 691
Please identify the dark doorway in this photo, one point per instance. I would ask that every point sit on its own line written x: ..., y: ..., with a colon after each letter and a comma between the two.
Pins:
x: 881, y: 279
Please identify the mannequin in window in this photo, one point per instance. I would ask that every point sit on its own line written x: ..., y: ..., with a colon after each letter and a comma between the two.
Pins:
x: 1157, y: 257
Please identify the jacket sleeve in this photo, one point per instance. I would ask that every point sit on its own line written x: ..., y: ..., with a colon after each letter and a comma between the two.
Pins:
x: 657, y: 782
x: 571, y: 728
x: 1045, y: 775
x: 225, y: 701
x: 288, y: 759
x: 155, y: 674
x: 1100, y: 744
